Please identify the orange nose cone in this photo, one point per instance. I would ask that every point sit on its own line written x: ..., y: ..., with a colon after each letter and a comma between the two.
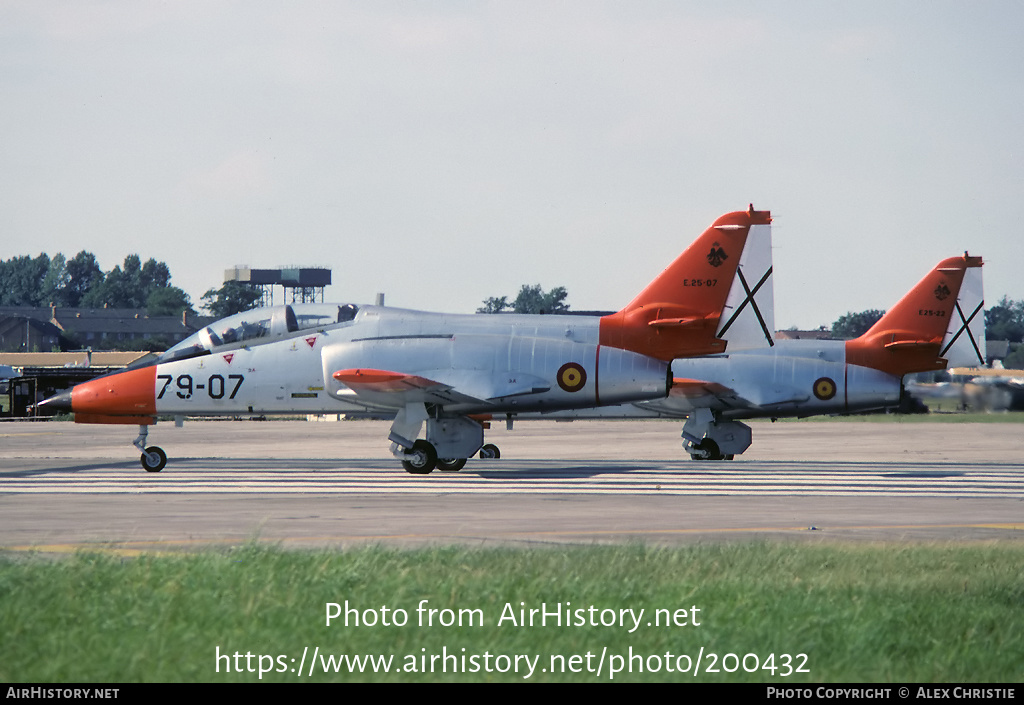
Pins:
x: 129, y: 393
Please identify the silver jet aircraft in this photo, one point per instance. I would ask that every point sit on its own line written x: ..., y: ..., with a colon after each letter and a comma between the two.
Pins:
x: 451, y: 371
x: 939, y: 322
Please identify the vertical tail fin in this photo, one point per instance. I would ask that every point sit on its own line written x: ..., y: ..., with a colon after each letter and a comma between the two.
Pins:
x: 717, y: 290
x: 941, y: 315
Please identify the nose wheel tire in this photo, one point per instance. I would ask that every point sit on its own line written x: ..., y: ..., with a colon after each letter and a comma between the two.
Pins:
x: 421, y: 459
x: 490, y: 452
x: 154, y: 459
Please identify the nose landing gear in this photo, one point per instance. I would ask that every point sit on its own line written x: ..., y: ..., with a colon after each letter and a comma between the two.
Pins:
x: 153, y: 458
x: 490, y: 452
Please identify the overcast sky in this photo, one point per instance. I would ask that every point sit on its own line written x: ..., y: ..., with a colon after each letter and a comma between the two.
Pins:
x: 446, y: 152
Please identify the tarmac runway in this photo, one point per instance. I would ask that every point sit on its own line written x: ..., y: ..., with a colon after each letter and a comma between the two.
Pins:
x: 64, y: 487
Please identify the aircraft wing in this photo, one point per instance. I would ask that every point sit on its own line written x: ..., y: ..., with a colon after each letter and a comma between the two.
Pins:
x: 698, y: 393
x: 398, y: 389
x: 689, y: 394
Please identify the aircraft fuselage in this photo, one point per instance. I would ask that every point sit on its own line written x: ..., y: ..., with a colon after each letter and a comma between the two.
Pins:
x: 498, y: 363
x: 795, y: 378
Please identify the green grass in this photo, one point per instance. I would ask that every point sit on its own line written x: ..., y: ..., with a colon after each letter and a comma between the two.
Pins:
x: 943, y: 613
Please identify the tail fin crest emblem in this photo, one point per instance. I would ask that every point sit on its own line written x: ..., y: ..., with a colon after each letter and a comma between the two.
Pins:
x: 717, y: 255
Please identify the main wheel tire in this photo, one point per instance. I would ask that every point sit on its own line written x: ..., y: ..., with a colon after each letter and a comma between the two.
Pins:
x: 422, y: 459
x: 708, y: 450
x: 451, y: 464
x: 711, y: 448
x: 490, y: 452
x: 154, y: 459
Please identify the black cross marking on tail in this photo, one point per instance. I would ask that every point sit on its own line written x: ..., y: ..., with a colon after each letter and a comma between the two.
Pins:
x: 964, y: 327
x: 753, y: 304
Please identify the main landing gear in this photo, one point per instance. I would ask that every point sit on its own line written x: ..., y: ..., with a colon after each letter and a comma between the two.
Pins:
x: 706, y: 438
x: 154, y: 458
x: 422, y: 458
x: 450, y: 441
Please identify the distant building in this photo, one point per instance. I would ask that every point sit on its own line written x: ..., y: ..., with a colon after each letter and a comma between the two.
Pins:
x: 26, y: 329
x: 23, y: 331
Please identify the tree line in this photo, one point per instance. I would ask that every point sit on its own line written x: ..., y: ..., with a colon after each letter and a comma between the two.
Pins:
x: 531, y: 299
x: 79, y: 282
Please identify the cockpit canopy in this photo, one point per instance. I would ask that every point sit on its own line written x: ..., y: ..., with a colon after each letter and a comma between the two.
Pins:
x: 260, y: 326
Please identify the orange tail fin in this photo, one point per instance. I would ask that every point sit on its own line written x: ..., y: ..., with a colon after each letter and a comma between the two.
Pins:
x: 678, y: 314
x: 909, y: 337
